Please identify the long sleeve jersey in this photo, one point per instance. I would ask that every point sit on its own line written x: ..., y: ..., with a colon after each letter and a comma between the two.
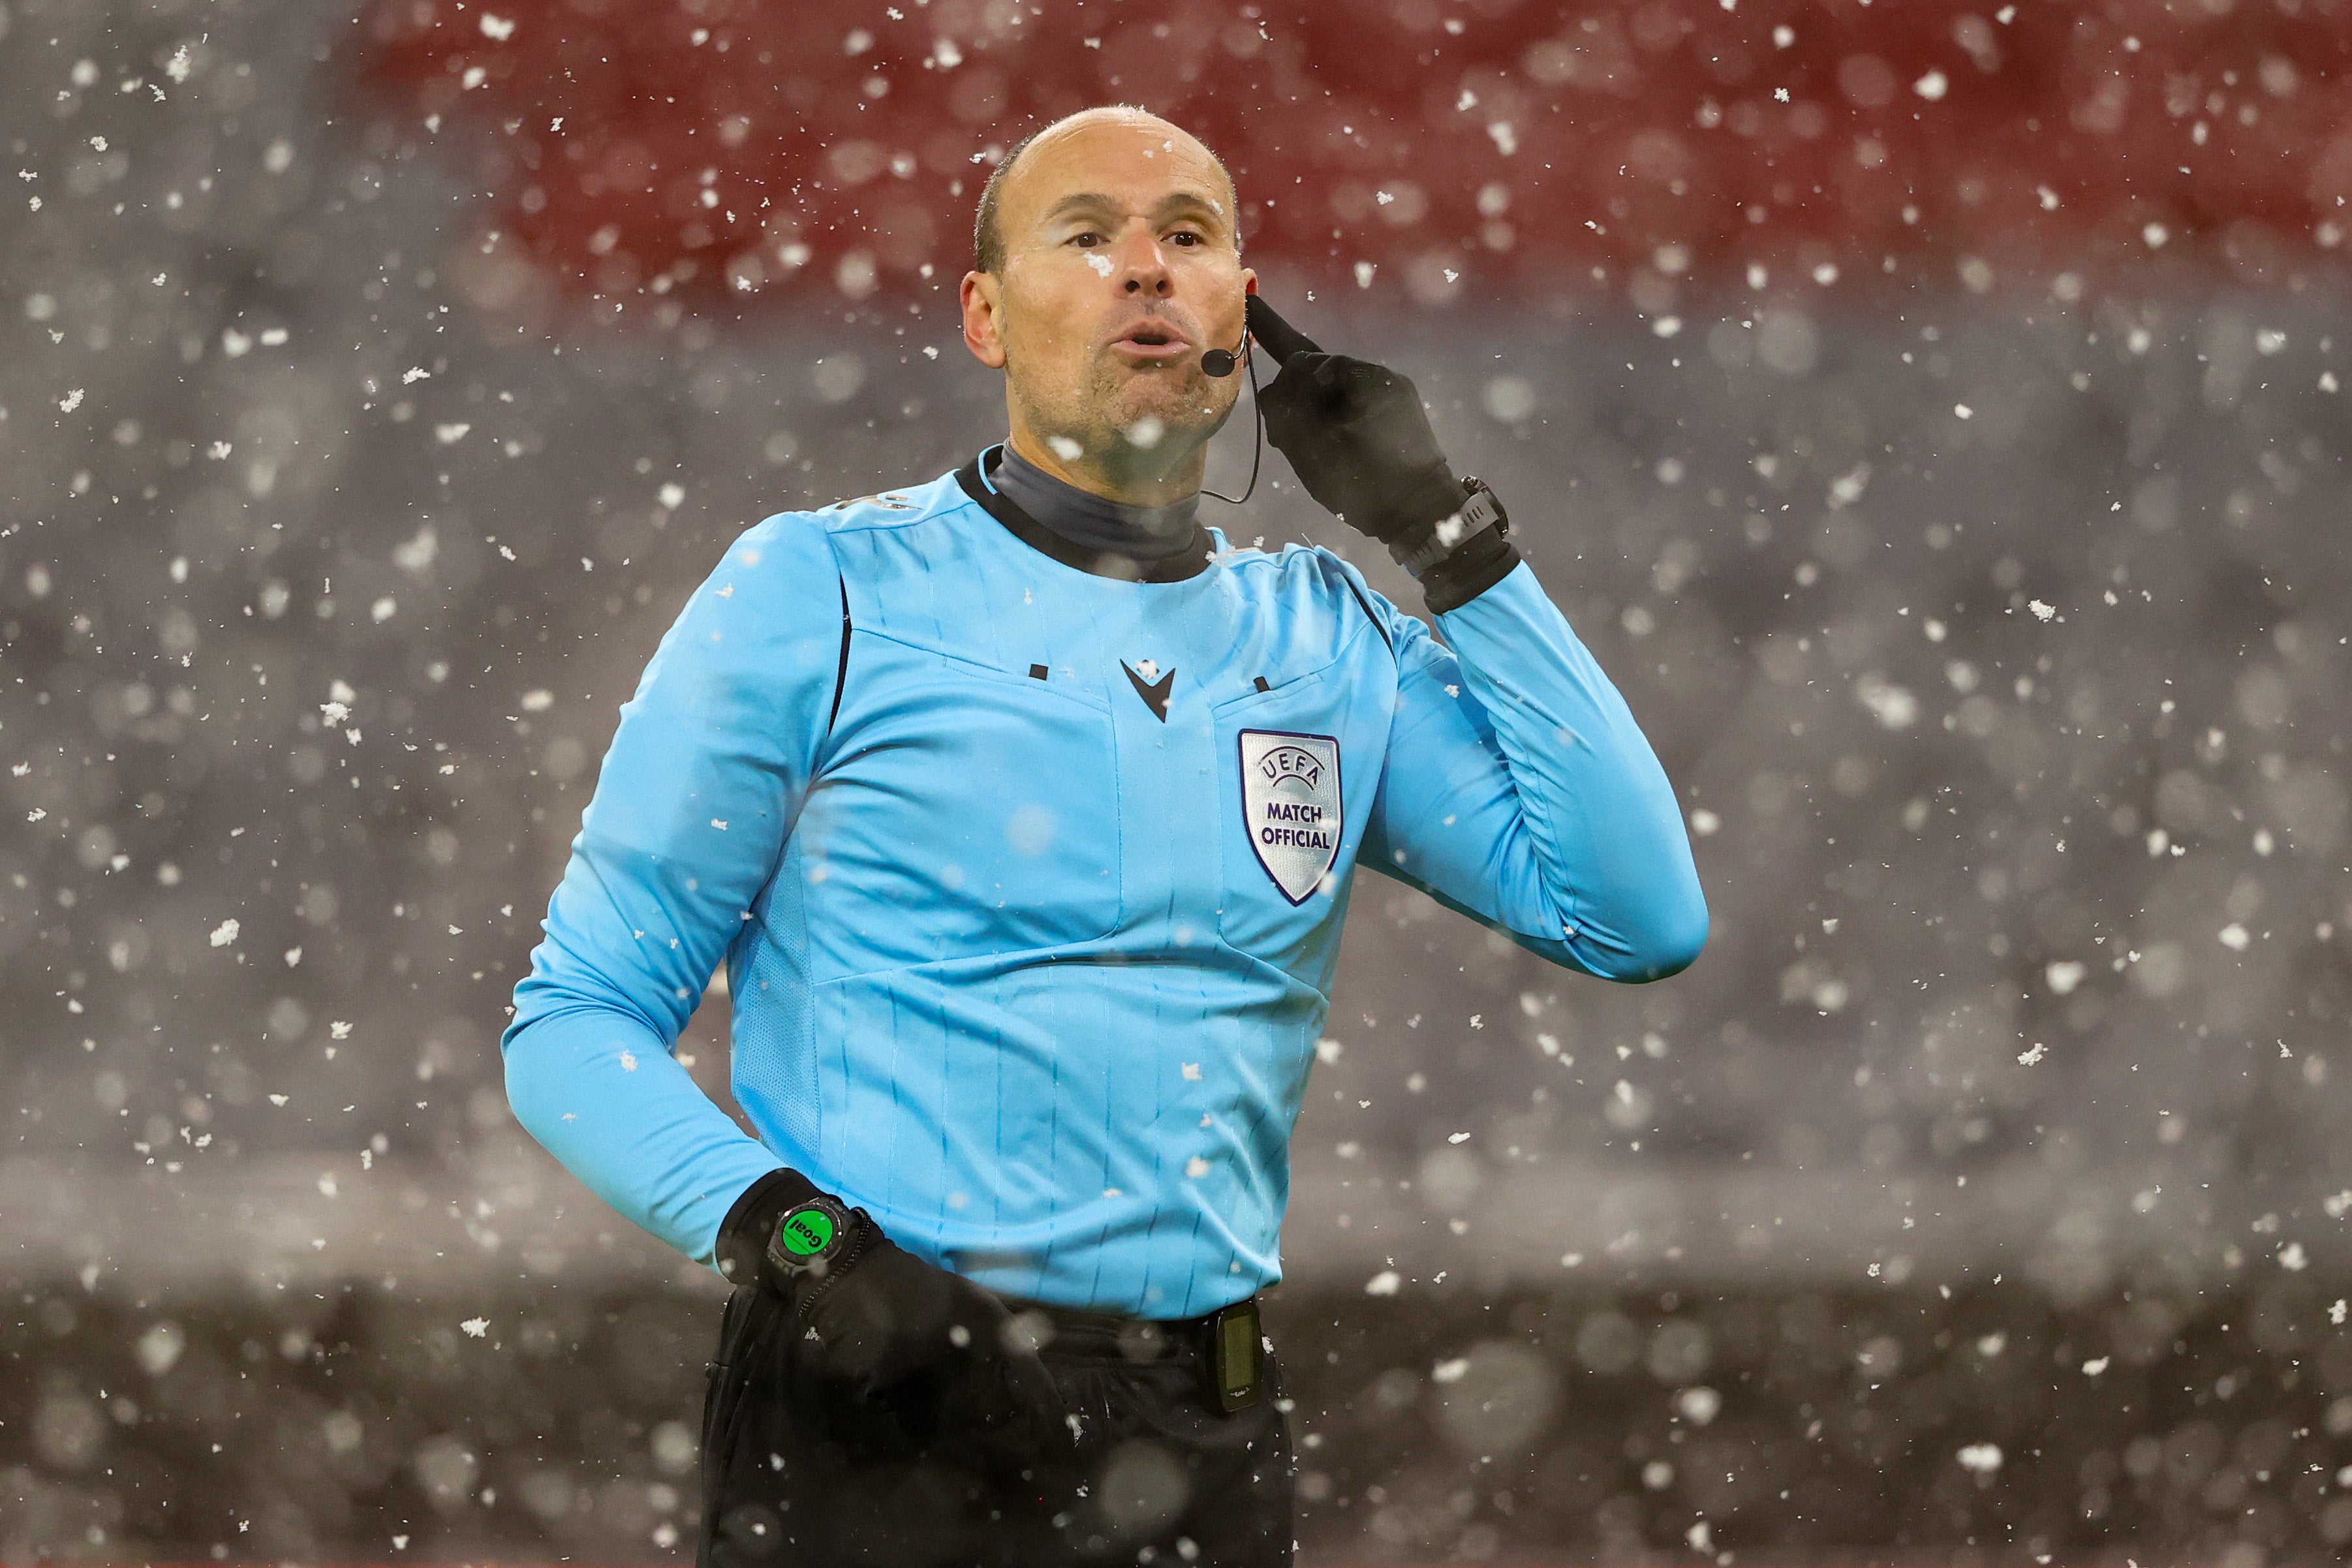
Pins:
x: 1029, y: 880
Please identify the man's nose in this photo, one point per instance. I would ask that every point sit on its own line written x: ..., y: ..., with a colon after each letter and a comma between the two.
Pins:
x: 1143, y: 267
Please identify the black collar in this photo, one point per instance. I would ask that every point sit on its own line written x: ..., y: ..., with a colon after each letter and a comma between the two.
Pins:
x: 1189, y: 561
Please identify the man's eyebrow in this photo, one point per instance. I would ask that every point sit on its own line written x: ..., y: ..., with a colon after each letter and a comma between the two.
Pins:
x: 1096, y: 201
x: 1085, y: 201
x: 1180, y: 201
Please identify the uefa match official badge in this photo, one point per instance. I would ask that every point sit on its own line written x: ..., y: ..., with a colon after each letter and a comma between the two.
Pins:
x: 1290, y: 806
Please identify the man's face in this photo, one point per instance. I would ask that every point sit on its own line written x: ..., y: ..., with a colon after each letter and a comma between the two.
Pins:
x: 1120, y: 270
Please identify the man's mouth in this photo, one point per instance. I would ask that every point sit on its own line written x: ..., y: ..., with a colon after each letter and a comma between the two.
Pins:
x: 1151, y: 342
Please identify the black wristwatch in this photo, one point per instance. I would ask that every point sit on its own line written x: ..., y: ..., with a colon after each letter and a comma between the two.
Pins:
x: 808, y: 1237
x: 1480, y: 510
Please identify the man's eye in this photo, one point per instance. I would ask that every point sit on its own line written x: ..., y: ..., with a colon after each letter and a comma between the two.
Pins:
x: 1087, y: 237
x: 1186, y: 237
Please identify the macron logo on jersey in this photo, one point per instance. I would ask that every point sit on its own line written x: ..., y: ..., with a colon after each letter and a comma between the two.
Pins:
x: 1151, y: 685
x: 1290, y: 806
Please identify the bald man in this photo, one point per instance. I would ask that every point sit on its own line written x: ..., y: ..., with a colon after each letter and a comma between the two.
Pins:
x: 1023, y: 810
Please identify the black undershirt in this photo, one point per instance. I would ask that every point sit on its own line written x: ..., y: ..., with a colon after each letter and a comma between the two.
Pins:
x: 1168, y: 544
x: 1096, y: 523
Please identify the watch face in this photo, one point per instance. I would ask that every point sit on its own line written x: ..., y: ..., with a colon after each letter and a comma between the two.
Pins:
x: 806, y: 1232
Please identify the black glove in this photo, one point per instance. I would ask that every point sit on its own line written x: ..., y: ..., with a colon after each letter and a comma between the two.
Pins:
x: 907, y: 1348
x: 1355, y: 433
x: 1358, y: 438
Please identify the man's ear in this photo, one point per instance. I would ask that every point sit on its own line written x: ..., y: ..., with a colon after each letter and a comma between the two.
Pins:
x: 982, y: 300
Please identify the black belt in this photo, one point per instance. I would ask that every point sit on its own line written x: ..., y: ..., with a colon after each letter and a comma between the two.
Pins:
x: 1228, y: 1343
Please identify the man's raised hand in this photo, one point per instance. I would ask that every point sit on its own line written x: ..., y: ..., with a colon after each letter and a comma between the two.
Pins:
x: 1355, y: 433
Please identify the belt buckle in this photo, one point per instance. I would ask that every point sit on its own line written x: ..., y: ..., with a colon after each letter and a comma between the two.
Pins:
x: 1238, y: 1355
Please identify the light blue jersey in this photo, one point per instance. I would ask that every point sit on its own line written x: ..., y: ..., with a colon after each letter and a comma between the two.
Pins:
x: 1029, y: 882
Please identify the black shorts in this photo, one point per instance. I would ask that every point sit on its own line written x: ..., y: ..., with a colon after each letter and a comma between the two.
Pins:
x: 1159, y: 1473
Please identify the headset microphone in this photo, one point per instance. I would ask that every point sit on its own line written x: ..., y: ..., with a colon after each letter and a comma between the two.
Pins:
x: 1283, y: 342
x: 1220, y: 362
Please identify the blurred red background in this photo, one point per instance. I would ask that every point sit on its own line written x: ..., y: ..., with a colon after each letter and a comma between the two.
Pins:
x: 710, y: 147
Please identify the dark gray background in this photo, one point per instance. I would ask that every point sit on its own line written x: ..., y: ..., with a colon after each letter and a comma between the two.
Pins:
x: 1996, y: 643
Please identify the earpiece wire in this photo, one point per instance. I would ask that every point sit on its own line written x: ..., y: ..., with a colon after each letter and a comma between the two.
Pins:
x: 1257, y: 429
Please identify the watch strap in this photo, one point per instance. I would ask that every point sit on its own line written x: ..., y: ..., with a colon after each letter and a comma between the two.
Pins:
x: 1479, y: 511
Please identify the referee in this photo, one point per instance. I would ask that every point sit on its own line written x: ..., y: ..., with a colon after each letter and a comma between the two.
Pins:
x: 1023, y: 810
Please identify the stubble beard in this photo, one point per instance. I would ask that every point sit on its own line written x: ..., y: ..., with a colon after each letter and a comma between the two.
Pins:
x: 1122, y: 405
x: 1113, y: 417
